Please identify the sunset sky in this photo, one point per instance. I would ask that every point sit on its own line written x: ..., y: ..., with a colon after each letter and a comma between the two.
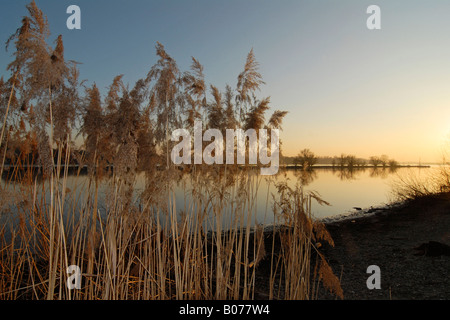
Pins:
x: 347, y: 89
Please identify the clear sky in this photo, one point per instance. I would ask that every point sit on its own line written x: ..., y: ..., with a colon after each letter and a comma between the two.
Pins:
x: 348, y: 89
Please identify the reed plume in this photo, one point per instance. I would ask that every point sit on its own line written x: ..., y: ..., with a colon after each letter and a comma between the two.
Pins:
x: 249, y: 81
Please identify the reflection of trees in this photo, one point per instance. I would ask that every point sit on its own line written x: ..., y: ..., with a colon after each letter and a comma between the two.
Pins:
x: 393, y: 168
x: 347, y: 173
x: 376, y: 172
x: 305, y: 177
x: 382, y: 173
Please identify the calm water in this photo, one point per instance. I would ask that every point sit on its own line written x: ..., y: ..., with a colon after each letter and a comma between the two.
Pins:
x: 345, y: 190
x: 342, y: 189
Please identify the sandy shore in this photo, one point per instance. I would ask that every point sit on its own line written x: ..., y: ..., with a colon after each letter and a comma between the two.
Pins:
x: 388, y: 238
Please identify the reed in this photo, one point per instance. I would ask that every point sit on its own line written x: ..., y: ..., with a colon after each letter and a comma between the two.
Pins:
x: 417, y: 184
x: 138, y: 244
x: 207, y: 249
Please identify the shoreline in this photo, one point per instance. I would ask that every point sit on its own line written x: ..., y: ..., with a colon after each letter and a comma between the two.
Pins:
x: 362, y: 213
x: 389, y: 237
x: 346, y: 167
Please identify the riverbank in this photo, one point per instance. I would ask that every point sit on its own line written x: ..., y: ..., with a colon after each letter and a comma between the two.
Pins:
x: 385, y: 237
x: 346, y: 167
x: 388, y: 238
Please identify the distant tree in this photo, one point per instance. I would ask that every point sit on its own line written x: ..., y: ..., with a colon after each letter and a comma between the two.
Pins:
x: 384, y: 160
x: 375, y: 161
x: 306, y: 158
x: 393, y: 163
x: 351, y: 161
x: 342, y: 160
x: 361, y: 162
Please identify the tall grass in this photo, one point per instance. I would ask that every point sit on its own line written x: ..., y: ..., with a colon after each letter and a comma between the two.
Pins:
x: 209, y: 249
x: 137, y: 245
x: 415, y: 184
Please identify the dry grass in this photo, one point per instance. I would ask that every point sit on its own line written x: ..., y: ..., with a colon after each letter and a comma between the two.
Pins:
x: 135, y: 245
x: 415, y: 184
x: 206, y: 250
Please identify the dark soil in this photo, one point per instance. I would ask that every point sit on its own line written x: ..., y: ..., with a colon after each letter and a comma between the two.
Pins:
x: 398, y: 241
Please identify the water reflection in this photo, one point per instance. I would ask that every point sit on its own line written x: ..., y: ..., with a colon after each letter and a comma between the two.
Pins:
x: 305, y: 177
x: 382, y: 172
x: 343, y: 188
x: 347, y: 173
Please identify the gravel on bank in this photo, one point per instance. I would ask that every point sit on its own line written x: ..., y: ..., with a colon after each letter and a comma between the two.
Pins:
x: 397, y: 240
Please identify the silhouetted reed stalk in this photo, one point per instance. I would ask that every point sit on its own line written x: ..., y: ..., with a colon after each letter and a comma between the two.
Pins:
x: 7, y: 112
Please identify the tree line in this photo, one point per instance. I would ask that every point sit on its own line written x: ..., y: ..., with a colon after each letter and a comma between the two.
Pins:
x: 307, y: 159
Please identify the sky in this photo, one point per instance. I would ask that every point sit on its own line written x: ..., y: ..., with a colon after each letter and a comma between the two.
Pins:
x: 347, y: 89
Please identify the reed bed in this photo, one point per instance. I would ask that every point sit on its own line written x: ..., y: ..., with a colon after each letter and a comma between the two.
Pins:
x: 130, y: 244
x: 209, y: 249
